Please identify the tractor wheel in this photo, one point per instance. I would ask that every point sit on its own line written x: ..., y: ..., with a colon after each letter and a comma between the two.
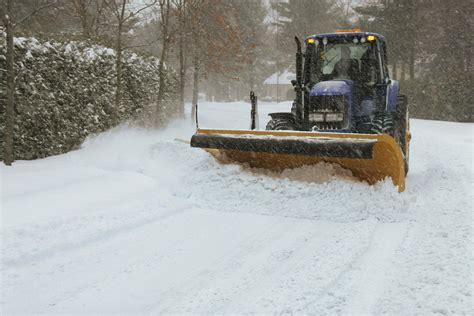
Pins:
x: 382, y: 123
x: 401, y: 126
x: 280, y: 124
x: 393, y: 125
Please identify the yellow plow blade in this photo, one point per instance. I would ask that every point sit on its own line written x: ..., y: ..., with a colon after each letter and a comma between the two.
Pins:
x: 370, y: 157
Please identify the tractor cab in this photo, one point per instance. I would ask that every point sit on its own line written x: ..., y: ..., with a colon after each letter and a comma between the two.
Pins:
x: 350, y: 56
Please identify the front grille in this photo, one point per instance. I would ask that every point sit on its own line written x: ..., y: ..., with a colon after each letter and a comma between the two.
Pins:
x: 324, y: 105
x: 334, y: 103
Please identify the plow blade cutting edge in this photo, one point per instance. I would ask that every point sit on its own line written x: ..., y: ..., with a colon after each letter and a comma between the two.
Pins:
x: 370, y: 157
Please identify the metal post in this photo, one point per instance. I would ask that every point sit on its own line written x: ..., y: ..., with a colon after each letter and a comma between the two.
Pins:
x: 253, y: 111
x: 196, y: 118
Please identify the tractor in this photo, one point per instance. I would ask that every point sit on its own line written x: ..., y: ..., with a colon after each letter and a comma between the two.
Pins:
x: 347, y: 110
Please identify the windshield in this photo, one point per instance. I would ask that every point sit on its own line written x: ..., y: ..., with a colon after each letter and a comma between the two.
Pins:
x: 333, y: 54
x: 342, y: 60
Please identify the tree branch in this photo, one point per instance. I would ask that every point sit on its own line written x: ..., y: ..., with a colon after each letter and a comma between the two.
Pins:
x: 143, y: 45
x: 34, y: 12
x: 132, y: 14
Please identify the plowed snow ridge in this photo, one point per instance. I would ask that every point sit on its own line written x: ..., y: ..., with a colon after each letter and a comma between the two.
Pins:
x: 137, y: 222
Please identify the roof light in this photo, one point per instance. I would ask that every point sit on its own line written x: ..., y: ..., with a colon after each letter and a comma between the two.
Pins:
x: 349, y: 30
x: 371, y: 38
x: 310, y: 41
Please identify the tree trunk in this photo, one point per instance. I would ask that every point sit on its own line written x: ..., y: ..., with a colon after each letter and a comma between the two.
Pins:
x: 195, y: 84
x: 98, y: 15
x: 8, y: 156
x: 413, y: 6
x: 182, y: 75
x: 252, y: 77
x: 84, y: 21
x: 182, y: 58
x: 165, y: 10
x: 118, y: 65
x: 161, y: 68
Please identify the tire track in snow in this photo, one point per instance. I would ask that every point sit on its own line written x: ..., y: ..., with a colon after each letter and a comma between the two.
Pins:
x: 299, y: 275
x: 99, y: 235
x: 276, y: 271
x: 51, y: 187
x: 348, y: 293
x: 369, y: 276
x: 58, y: 270
x: 231, y: 262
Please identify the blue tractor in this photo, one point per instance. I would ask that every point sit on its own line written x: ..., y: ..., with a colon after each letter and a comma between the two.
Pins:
x: 347, y: 110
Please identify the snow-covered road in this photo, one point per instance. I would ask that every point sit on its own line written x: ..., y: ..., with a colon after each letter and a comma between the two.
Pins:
x: 137, y: 222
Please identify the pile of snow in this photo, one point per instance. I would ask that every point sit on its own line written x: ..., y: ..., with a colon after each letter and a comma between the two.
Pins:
x: 138, y: 222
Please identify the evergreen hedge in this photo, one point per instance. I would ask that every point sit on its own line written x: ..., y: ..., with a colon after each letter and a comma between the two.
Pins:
x: 65, y: 91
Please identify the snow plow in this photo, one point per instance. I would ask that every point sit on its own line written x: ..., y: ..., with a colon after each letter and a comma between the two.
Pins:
x: 347, y: 111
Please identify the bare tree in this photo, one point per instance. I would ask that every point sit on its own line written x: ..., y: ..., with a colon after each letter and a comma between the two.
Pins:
x: 10, y: 23
x: 166, y: 32
x: 124, y: 17
x: 216, y: 40
x: 89, y: 13
x: 181, y: 12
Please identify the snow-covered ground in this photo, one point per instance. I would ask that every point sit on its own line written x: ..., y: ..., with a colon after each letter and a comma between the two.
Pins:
x: 138, y: 222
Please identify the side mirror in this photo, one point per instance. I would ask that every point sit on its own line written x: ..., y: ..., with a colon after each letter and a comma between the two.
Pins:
x: 294, y: 82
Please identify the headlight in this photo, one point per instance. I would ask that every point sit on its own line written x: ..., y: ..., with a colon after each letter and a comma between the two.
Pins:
x: 316, y: 117
x: 334, y: 117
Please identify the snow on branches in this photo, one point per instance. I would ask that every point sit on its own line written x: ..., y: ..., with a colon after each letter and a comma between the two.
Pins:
x: 65, y: 92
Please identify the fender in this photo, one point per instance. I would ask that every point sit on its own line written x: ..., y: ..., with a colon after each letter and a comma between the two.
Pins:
x: 283, y: 115
x: 393, y: 90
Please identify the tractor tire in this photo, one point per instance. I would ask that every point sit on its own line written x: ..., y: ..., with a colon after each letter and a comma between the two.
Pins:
x: 401, y: 125
x: 280, y: 124
x: 382, y: 123
x: 392, y: 124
